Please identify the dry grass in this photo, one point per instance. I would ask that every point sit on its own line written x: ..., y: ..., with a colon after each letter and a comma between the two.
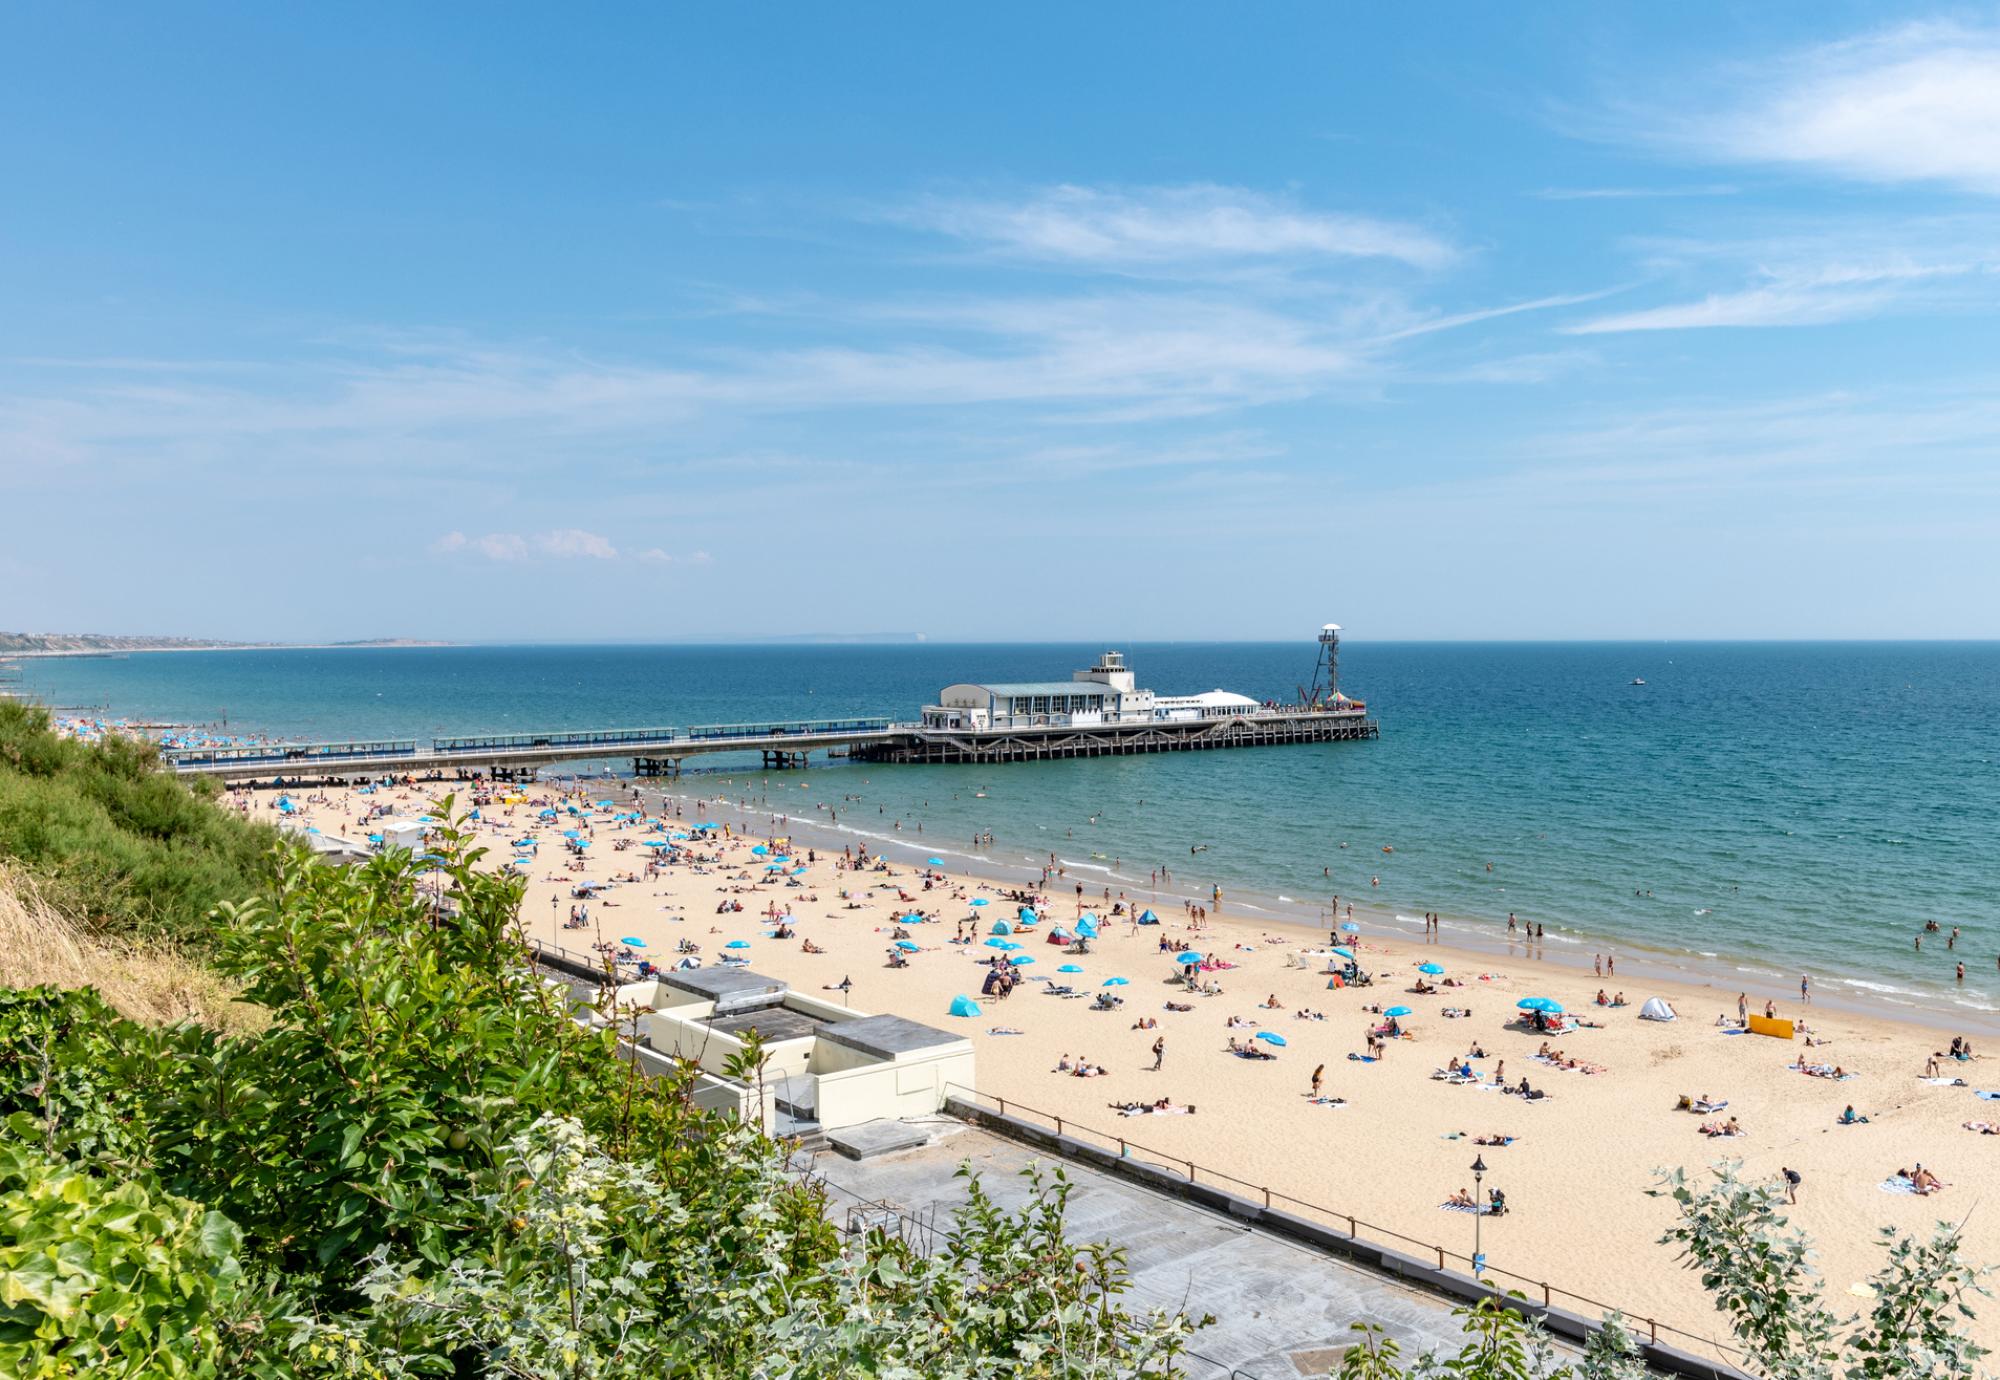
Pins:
x: 150, y: 981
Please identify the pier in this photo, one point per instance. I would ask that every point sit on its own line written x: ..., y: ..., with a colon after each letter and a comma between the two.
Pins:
x: 1098, y: 712
x: 657, y: 752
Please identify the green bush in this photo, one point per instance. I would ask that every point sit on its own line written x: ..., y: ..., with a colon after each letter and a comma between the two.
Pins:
x: 106, y: 1278
x: 115, y: 841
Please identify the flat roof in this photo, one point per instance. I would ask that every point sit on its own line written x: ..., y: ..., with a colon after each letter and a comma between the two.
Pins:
x: 887, y: 1036
x: 726, y: 986
x: 1043, y: 687
x: 772, y: 1024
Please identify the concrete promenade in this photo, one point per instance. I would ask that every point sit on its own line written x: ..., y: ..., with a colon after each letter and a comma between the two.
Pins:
x: 1282, y: 1309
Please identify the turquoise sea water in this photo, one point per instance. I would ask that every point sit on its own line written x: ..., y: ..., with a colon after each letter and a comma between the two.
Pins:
x: 1763, y: 808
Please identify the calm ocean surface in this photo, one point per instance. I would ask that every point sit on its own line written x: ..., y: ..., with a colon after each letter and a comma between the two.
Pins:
x: 1762, y: 807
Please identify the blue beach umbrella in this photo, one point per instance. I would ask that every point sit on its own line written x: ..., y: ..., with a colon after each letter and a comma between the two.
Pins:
x: 583, y: 843
x: 1347, y: 954
x: 1021, y: 960
x: 1397, y: 1011
x: 1187, y: 959
x: 1009, y: 945
x: 1350, y: 928
x: 572, y: 834
x: 1271, y: 1037
x: 996, y: 944
x: 1113, y: 982
x: 633, y: 941
x: 760, y: 850
x: 737, y: 944
x: 1542, y: 1004
x: 935, y: 862
x: 978, y: 900
x: 912, y: 919
x: 1070, y: 968
x: 907, y: 946
x: 1432, y: 968
x: 774, y: 867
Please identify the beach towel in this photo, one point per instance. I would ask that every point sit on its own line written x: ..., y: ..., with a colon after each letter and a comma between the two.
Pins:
x: 1335, y: 1102
x: 1987, y: 1096
x: 1362, y: 1058
x: 1946, y: 1083
x: 1900, y: 1186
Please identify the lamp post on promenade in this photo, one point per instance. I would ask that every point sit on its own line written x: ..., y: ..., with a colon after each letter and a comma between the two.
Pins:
x: 1478, y: 1212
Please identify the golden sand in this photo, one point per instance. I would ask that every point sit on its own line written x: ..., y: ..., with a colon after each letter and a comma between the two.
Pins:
x: 1575, y: 1177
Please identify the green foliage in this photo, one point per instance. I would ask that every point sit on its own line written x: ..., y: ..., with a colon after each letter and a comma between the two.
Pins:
x: 1921, y: 1295
x: 115, y: 841
x: 1759, y: 1272
x: 405, y: 1043
x: 62, y: 1060
x: 596, y: 1270
x: 107, y: 1278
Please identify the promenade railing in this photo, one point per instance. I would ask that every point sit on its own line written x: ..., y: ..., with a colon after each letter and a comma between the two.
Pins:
x: 1348, y: 1224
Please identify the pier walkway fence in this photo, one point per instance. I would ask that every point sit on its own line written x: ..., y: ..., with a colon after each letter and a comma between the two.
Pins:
x: 1568, y: 1315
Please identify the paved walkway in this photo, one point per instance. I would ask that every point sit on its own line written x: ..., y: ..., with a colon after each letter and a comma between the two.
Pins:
x: 1280, y: 1307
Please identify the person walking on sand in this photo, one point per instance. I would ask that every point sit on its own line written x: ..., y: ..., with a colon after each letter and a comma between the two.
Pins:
x: 1805, y: 988
x: 1319, y: 1076
x: 1159, y: 1053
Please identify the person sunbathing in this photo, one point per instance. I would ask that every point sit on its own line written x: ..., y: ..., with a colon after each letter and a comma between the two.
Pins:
x: 1495, y: 1139
x: 1985, y: 1128
x: 1462, y: 1199
x: 1271, y: 1003
x: 1475, y: 1052
x: 1724, y: 1129
x: 807, y: 946
x: 1924, y: 1182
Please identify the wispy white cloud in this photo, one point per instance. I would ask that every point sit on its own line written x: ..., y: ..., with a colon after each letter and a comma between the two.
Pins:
x: 1798, y: 294
x: 564, y: 543
x: 1915, y: 103
x: 1170, y: 226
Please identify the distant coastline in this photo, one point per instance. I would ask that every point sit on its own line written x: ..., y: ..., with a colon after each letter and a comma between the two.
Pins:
x: 99, y: 644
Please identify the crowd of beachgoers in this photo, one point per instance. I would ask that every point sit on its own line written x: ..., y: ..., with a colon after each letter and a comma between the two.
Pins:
x: 1235, y: 1039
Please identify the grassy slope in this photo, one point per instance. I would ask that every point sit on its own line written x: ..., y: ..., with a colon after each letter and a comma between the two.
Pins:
x: 113, y: 843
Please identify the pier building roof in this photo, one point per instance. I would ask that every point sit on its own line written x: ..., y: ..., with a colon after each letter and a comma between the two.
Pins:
x: 1016, y: 689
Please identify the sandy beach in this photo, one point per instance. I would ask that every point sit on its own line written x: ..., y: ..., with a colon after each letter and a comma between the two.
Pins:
x: 1400, y: 1139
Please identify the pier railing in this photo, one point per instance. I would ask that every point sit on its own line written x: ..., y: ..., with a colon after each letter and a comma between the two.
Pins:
x: 1343, y: 1225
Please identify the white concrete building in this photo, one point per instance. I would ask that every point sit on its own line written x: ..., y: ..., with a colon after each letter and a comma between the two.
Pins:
x: 825, y: 1065
x: 1107, y: 693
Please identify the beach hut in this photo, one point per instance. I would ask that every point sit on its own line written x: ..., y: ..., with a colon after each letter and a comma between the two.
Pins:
x: 964, y: 1006
x: 1656, y: 1010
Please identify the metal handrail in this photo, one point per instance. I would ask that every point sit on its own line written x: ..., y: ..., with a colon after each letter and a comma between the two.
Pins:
x: 1064, y: 1126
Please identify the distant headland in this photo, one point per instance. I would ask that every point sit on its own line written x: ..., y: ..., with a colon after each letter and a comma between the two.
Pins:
x: 98, y: 644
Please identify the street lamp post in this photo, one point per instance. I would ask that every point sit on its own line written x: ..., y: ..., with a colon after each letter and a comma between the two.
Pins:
x: 1478, y: 1212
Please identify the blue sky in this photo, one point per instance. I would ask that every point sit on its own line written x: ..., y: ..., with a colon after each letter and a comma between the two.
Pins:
x: 1126, y: 321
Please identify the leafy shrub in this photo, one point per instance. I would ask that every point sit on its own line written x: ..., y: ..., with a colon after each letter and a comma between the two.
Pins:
x: 107, y: 1278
